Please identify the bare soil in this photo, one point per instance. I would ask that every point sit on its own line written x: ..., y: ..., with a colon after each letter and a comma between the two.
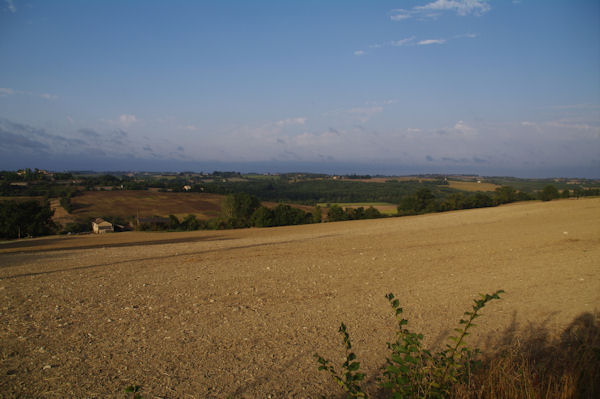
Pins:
x: 126, y: 203
x: 241, y: 313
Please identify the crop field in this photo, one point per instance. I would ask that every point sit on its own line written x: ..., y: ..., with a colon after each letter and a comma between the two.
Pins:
x: 472, y: 185
x: 240, y: 313
x: 146, y: 203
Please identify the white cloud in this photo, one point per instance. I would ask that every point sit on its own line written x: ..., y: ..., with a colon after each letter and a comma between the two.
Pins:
x: 402, y: 42
x: 431, y: 41
x: 127, y: 119
x: 461, y: 7
x: 11, y: 6
x: 466, y: 35
x: 363, y: 114
x: 433, y: 9
x: 464, y: 129
x: 359, y: 52
x: 5, y: 91
x: 399, y: 14
x: 291, y: 121
x: 48, y: 96
x: 191, y: 128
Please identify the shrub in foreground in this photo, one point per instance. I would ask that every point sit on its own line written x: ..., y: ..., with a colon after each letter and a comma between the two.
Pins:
x: 536, y: 365
x: 412, y: 371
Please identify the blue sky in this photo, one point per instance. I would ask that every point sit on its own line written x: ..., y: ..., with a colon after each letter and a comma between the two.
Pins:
x: 391, y: 87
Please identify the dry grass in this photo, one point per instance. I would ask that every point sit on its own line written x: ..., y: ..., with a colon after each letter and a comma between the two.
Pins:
x: 539, y: 366
x: 472, y: 185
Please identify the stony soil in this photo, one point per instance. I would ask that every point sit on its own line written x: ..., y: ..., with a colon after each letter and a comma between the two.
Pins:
x: 241, y: 313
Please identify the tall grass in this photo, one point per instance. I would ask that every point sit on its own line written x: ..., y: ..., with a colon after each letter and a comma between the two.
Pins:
x: 539, y: 365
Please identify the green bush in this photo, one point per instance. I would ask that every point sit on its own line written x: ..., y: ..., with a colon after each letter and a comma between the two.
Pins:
x: 412, y: 371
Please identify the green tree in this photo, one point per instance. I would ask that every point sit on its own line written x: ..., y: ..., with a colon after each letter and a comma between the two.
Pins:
x: 566, y: 193
x: 28, y: 218
x: 285, y: 215
x: 262, y: 217
x: 336, y: 213
x: 190, y: 223
x: 173, y: 222
x: 372, y: 213
x: 237, y: 209
x: 549, y: 193
x: 317, y: 214
x: 505, y: 195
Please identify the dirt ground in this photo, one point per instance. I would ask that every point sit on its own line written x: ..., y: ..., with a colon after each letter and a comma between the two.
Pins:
x: 128, y: 203
x: 241, y: 313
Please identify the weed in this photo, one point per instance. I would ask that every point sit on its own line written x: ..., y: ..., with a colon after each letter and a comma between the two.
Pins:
x: 350, y: 379
x: 132, y: 391
x: 412, y: 371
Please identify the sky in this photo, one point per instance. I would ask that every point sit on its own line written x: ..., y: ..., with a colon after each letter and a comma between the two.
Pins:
x: 381, y: 87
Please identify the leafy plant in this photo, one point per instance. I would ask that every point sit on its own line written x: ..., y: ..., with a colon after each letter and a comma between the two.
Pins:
x: 132, y: 391
x: 350, y: 379
x: 412, y: 371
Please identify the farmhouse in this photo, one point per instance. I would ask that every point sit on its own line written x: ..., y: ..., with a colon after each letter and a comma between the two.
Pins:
x: 100, y: 226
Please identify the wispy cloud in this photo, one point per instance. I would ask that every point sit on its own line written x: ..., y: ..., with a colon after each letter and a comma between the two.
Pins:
x: 6, y: 91
x: 127, y: 119
x: 435, y: 8
x: 431, y: 41
x: 191, y: 128
x: 291, y: 121
x: 402, y: 42
x: 466, y: 35
x: 412, y: 41
x: 11, y: 6
x: 461, y: 7
x: 48, y: 96
x: 359, y: 52
x: 400, y: 14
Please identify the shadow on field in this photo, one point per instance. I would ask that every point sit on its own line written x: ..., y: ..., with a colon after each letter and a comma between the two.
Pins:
x: 30, y: 245
x: 169, y: 256
x: 535, y: 363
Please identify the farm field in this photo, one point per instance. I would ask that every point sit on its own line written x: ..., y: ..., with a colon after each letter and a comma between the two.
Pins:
x: 209, y: 314
x: 472, y: 185
x: 146, y: 203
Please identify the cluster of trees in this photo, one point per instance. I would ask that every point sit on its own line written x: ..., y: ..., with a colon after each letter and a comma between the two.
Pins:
x: 244, y: 210
x: 26, y: 219
x: 336, y: 213
x: 424, y: 200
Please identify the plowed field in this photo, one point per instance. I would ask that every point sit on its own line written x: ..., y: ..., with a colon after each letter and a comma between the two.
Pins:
x: 241, y: 313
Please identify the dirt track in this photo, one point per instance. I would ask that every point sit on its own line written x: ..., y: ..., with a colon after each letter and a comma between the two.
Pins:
x: 240, y: 313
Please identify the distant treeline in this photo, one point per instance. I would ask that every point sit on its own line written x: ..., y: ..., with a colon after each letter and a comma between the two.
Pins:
x: 311, y: 192
x: 425, y: 201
